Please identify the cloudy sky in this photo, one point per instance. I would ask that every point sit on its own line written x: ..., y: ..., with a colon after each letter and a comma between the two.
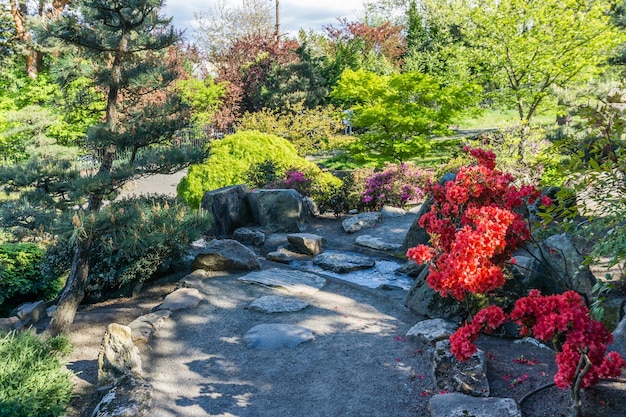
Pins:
x: 294, y: 14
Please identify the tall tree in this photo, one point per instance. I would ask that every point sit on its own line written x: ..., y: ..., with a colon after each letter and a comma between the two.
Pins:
x: 531, y: 46
x: 221, y: 25
x: 24, y: 13
x: 128, y: 41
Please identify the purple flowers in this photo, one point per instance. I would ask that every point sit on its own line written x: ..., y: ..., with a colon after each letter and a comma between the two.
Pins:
x: 397, y: 185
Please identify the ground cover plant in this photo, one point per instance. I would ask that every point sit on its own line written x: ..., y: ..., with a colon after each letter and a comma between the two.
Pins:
x: 32, y: 381
x: 474, y: 230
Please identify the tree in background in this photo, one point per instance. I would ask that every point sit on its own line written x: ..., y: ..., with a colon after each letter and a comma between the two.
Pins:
x: 220, y: 26
x: 399, y: 113
x: 128, y: 41
x: 532, y: 46
x: 25, y: 17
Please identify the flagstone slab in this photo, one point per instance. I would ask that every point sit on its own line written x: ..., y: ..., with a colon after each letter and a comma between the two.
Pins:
x: 294, y: 282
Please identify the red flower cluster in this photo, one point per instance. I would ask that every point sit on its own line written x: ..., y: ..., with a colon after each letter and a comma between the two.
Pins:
x: 565, y: 317
x: 562, y: 318
x: 473, y: 228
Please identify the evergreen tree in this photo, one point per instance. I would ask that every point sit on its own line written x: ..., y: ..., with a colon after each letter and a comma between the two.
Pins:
x: 128, y: 41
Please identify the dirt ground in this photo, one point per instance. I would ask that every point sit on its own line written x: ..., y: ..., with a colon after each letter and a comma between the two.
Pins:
x: 360, y: 363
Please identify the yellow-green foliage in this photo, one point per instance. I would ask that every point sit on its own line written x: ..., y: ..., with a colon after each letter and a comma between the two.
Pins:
x: 232, y: 156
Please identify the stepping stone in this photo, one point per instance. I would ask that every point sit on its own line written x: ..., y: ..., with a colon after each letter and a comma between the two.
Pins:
x: 376, y: 243
x: 307, y: 243
x: 431, y: 331
x: 275, y: 304
x: 458, y: 405
x: 342, y: 262
x: 181, y: 299
x: 276, y: 336
x: 360, y: 221
x: 295, y: 282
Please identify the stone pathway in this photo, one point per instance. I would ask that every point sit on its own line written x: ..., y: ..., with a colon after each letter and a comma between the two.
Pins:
x: 344, y: 354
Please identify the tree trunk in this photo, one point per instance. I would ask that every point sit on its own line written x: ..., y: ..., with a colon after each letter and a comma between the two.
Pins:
x: 19, y: 12
x: 74, y: 290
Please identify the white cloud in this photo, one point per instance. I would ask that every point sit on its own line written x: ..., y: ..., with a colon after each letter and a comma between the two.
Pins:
x: 294, y: 14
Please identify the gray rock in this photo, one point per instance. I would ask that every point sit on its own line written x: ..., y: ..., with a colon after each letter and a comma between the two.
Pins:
x: 118, y: 355
x: 193, y: 280
x: 275, y: 304
x: 353, y: 211
x: 278, y: 256
x: 460, y: 405
x: 411, y: 269
x: 619, y: 339
x: 229, y: 208
x: 181, y: 299
x: 361, y: 221
x: 277, y: 336
x: 426, y: 302
x: 30, y: 313
x: 226, y: 255
x: 376, y: 243
x: 279, y: 210
x: 469, y: 377
x: 342, y: 263
x: 249, y: 236
x: 307, y: 243
x: 10, y: 323
x: 565, y: 265
x: 294, y: 282
x: 414, y: 210
x: 431, y: 331
x: 416, y: 235
x: 145, y: 326
x: 388, y: 211
x: 130, y: 396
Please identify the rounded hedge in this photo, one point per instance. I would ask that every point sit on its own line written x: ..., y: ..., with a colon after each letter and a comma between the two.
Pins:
x: 231, y: 158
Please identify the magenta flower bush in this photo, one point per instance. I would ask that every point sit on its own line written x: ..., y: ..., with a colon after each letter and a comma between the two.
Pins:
x: 398, y: 185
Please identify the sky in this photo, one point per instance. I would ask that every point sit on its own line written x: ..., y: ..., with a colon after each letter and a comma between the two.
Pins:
x: 294, y: 14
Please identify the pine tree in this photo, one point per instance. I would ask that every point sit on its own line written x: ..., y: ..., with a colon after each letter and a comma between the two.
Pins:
x: 128, y: 41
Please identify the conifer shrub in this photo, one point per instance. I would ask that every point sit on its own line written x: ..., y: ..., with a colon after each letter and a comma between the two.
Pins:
x: 149, y: 233
x: 231, y: 158
x: 33, y: 382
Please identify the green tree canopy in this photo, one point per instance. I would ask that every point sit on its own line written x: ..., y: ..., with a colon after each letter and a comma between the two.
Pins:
x: 399, y: 113
x: 531, y: 46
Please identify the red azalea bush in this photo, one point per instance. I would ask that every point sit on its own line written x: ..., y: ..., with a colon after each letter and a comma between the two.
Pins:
x: 398, y: 185
x: 562, y: 319
x: 474, y: 225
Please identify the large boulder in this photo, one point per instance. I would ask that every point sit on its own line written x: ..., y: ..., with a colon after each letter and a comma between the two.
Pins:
x: 426, y: 302
x: 118, y: 355
x: 416, y: 235
x: 229, y: 208
x: 619, y: 339
x: 562, y: 267
x: 279, y: 210
x: 306, y: 243
x: 226, y: 255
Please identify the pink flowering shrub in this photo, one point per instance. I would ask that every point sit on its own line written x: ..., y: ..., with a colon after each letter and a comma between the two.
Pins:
x: 474, y: 226
x: 296, y: 180
x: 398, y: 185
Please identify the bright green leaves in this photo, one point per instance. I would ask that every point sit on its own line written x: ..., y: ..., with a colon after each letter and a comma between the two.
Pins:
x: 398, y: 113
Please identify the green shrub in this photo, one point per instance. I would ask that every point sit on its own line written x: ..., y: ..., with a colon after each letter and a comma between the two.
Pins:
x: 136, y: 237
x: 33, y: 382
x: 231, y: 158
x: 20, y: 272
x: 309, y: 130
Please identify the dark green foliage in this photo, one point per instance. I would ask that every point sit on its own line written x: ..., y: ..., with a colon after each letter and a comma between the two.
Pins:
x: 33, y: 382
x: 135, y: 238
x: 263, y: 173
x: 20, y: 272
